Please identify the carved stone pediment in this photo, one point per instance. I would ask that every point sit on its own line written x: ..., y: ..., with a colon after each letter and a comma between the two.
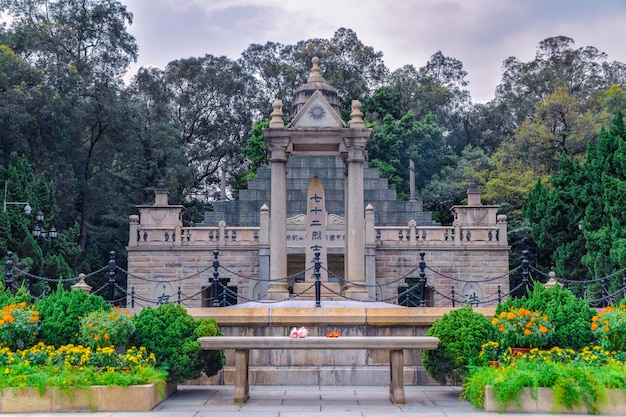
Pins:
x: 334, y: 220
x: 298, y: 220
x: 317, y: 112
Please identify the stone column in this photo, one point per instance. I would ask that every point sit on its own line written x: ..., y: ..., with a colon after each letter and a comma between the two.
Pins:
x: 355, y: 206
x: 277, y: 144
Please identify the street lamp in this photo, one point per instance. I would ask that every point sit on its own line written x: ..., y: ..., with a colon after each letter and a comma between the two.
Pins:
x: 5, y: 203
x: 40, y: 233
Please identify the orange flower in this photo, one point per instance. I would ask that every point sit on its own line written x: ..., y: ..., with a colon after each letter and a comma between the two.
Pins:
x: 527, y: 332
x: 543, y: 329
x: 106, y: 336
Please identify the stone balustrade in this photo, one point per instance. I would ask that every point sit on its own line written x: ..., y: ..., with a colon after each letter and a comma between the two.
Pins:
x: 410, y: 235
x: 428, y: 236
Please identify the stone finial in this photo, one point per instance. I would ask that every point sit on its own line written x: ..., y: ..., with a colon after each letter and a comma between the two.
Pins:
x: 277, y: 114
x: 81, y: 284
x: 356, y: 116
x: 552, y: 281
x: 316, y: 73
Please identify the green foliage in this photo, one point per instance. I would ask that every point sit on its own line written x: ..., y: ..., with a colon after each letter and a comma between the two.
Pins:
x: 214, y: 360
x: 106, y: 328
x: 398, y: 141
x: 60, y: 314
x: 170, y: 333
x: 7, y: 297
x: 570, y: 316
x: 461, y: 335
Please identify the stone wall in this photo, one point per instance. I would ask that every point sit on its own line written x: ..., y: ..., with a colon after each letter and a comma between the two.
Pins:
x: 171, y: 272
x: 190, y: 269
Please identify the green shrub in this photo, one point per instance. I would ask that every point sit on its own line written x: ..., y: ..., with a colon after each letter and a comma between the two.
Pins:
x: 170, y: 333
x: 106, y: 328
x: 60, y: 315
x: 214, y: 360
x: 570, y: 316
x: 461, y: 334
x: 8, y: 298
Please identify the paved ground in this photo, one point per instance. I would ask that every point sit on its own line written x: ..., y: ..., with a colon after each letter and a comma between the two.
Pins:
x: 306, y: 401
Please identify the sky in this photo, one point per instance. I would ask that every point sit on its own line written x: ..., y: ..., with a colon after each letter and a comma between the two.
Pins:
x: 479, y: 33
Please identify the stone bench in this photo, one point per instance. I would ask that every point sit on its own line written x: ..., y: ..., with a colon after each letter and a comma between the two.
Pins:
x: 243, y: 344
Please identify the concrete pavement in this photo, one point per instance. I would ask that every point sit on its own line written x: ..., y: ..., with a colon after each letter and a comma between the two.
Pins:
x: 305, y: 401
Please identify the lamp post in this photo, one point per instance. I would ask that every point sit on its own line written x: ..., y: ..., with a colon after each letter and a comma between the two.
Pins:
x: 5, y: 203
x: 40, y: 233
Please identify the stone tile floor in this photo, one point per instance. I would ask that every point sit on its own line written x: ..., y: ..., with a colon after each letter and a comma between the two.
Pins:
x: 305, y: 401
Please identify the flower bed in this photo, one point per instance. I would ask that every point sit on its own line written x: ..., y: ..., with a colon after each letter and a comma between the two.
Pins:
x: 42, y: 378
x: 557, y: 380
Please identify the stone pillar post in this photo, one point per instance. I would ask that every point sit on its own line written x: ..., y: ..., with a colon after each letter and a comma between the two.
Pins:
x: 370, y: 254
x: 412, y: 181
x: 277, y: 145
x: 502, y: 230
x: 264, y: 251
x: 133, y: 220
x: 355, y: 206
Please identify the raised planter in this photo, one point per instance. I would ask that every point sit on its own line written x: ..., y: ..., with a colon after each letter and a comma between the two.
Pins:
x: 94, y: 398
x: 543, y: 402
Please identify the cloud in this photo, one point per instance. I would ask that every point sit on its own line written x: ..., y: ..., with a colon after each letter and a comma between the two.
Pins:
x: 479, y: 33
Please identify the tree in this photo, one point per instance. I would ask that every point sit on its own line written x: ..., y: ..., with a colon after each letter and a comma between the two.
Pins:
x: 560, y: 127
x: 583, y: 71
x: 83, y: 49
x: 554, y: 216
x: 437, y: 88
x: 603, y: 196
x: 351, y: 67
x: 449, y: 187
x: 37, y: 258
x: 210, y: 99
x: 397, y: 142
